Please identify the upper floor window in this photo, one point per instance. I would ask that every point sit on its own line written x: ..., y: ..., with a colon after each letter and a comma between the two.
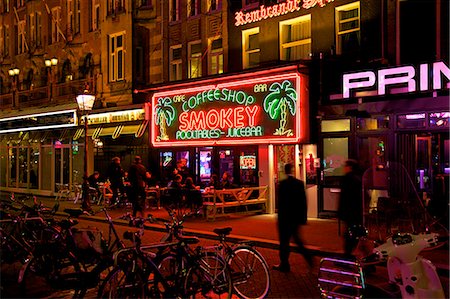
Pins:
x: 215, y: 56
x: 348, y: 34
x: 175, y: 63
x: 214, y: 5
x: 38, y: 27
x: 21, y: 39
x: 195, y: 59
x: 295, y: 38
x: 77, y: 13
x: 193, y: 7
x: 144, y: 3
x: 248, y: 4
x: 31, y: 28
x: 70, y: 17
x: 94, y: 15
x: 116, y: 57
x: 174, y: 10
x: 20, y: 3
x: 115, y: 6
x: 56, y: 21
x: 4, y: 6
x: 250, y: 48
x: 4, y: 41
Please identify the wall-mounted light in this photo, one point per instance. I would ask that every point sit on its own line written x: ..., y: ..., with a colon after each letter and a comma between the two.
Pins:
x: 48, y: 63
x: 54, y: 61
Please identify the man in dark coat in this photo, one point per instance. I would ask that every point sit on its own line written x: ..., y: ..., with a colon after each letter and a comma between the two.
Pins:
x: 137, y: 176
x: 350, y: 203
x: 292, y: 212
x: 115, y: 175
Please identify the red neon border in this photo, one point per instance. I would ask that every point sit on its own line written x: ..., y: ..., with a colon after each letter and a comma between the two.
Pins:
x: 234, y: 141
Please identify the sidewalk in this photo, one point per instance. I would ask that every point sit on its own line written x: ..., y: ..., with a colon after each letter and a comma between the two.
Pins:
x: 320, y: 235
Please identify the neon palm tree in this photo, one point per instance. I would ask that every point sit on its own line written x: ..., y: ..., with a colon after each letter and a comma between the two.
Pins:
x: 282, y: 97
x: 165, y: 115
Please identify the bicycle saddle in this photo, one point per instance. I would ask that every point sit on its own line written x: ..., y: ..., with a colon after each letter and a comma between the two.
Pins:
x: 223, y: 231
x: 73, y: 212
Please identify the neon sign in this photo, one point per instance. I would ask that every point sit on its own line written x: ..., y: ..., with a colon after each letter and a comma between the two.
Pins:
x: 403, y: 75
x: 275, y: 10
x: 264, y: 109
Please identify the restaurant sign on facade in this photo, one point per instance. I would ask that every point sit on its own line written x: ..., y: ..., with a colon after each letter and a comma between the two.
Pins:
x: 257, y: 110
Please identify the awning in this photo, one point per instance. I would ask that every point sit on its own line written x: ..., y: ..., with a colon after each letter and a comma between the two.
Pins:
x: 136, y: 129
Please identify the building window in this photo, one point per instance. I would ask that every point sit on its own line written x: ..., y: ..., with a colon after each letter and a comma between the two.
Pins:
x: 348, y: 28
x: 214, y: 5
x: 4, y: 41
x: 174, y: 10
x: 116, y: 57
x: 31, y: 28
x: 115, y: 6
x: 249, y: 4
x: 195, y: 59
x: 94, y: 15
x: 175, y: 63
x: 193, y: 8
x: 77, y: 12
x: 216, y: 56
x: 70, y: 17
x: 38, y: 26
x: 295, y: 38
x: 56, y: 21
x: 250, y: 46
x: 21, y: 39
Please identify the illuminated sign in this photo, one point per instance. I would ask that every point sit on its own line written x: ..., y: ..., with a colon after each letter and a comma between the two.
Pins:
x: 119, y: 116
x: 397, y: 76
x: 247, y: 162
x: 257, y: 110
x: 275, y: 10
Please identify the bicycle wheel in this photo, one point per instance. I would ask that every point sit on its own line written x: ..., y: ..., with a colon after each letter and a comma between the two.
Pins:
x: 208, y: 278
x: 49, y: 272
x: 249, y: 272
x: 164, y: 284
x: 123, y: 283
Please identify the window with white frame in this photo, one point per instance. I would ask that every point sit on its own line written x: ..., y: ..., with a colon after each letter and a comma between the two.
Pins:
x: 214, y: 5
x: 295, y: 38
x: 21, y: 39
x: 195, y: 59
x: 215, y: 56
x: 174, y: 10
x: 115, y: 6
x: 348, y: 34
x: 117, y: 57
x: 250, y: 48
x: 56, y: 21
x: 193, y: 8
x: 175, y: 63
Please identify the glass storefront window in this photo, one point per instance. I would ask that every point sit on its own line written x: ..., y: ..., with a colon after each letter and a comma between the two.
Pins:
x: 411, y: 121
x: 34, y: 167
x: 439, y: 119
x: 335, y: 152
x: 366, y: 124
x: 46, y: 160
x: 3, y: 165
x: 23, y: 167
x: 371, y: 151
x: 12, y: 155
x: 336, y: 125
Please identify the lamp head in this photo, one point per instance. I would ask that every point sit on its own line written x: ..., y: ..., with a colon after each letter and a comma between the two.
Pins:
x: 48, y: 63
x: 85, y: 101
x: 54, y: 61
x: 16, y: 71
x: 11, y: 72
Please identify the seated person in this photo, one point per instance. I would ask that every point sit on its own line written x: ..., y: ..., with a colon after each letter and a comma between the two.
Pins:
x: 93, y: 182
x: 193, y: 194
x: 226, y: 181
x: 214, y: 182
x: 174, y: 190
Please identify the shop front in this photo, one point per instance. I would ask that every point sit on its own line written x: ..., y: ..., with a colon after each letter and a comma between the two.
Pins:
x: 396, y: 116
x: 240, y: 124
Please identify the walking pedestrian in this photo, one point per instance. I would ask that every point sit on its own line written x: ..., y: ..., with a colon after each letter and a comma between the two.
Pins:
x: 292, y: 211
x: 137, y: 177
x: 115, y: 175
x: 350, y: 204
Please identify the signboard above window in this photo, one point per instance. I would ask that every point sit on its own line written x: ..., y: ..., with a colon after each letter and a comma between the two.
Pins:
x: 264, y: 109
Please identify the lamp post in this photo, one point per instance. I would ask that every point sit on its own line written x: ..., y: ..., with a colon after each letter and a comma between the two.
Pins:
x: 85, y: 102
x: 49, y: 63
x: 14, y: 74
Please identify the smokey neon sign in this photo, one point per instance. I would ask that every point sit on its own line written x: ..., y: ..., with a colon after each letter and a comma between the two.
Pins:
x: 403, y: 76
x: 264, y: 12
x: 257, y: 110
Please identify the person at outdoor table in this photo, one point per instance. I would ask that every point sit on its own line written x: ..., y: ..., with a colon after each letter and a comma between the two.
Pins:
x: 93, y: 182
x: 214, y: 183
x: 174, y: 189
x: 193, y: 194
x: 137, y: 177
x: 226, y: 181
x: 115, y: 175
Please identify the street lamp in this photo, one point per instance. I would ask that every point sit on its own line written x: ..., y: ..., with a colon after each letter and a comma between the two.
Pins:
x: 49, y: 63
x: 14, y: 74
x: 85, y: 103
